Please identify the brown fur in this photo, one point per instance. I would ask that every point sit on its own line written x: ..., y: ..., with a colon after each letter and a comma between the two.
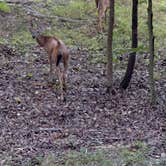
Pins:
x: 102, y: 6
x: 56, y: 49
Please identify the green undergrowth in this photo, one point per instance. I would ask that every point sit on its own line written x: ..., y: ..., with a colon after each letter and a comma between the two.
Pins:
x: 2, y: 40
x: 76, y: 38
x: 80, y: 27
x: 134, y: 155
x: 4, y: 7
x: 74, y: 9
x: 22, y: 40
x: 122, y: 31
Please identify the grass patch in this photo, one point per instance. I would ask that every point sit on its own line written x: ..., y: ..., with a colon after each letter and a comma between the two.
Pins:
x: 87, y: 158
x: 21, y: 40
x: 75, y: 9
x: 135, y: 155
x: 84, y: 34
x: 82, y: 158
x: 76, y: 38
x: 4, y: 7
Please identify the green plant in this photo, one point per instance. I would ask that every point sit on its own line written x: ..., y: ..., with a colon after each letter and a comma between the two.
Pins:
x: 136, y: 154
x: 75, y: 9
x: 87, y: 158
x: 4, y: 7
x: 81, y: 158
x: 21, y: 40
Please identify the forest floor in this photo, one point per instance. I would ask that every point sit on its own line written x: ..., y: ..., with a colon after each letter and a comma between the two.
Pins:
x: 34, y: 122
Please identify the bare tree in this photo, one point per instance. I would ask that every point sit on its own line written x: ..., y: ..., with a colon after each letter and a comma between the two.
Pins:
x: 131, y: 62
x: 109, y: 47
x: 151, y: 51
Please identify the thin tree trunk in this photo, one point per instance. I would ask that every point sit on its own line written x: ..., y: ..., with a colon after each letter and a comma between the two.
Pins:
x: 109, y: 47
x: 151, y: 51
x: 131, y: 61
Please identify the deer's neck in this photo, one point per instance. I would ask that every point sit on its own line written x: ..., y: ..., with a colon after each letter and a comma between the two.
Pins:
x: 42, y: 40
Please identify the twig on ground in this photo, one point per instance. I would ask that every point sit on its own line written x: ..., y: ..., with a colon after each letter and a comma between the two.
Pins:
x: 22, y: 2
x: 47, y: 129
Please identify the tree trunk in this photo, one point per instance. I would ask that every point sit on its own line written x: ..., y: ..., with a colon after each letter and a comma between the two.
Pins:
x: 109, y: 47
x: 131, y: 61
x: 151, y: 51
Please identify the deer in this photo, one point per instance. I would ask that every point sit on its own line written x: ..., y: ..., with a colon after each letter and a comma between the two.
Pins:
x: 57, y: 52
x: 102, y: 6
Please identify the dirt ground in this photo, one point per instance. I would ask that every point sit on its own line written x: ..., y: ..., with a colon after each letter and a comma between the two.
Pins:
x: 34, y: 122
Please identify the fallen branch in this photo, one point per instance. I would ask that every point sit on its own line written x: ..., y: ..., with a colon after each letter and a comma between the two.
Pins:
x: 19, y: 2
x: 47, y: 129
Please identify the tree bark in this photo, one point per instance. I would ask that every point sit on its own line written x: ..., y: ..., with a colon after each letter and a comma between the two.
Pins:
x: 109, y: 47
x: 151, y: 51
x: 131, y: 61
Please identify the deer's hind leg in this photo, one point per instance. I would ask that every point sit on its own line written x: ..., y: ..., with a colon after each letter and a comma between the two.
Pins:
x: 59, y: 73
x: 64, y: 74
x: 53, y: 58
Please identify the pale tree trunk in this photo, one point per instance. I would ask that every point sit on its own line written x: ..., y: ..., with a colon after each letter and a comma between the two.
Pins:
x: 151, y: 51
x: 131, y: 62
x: 109, y: 47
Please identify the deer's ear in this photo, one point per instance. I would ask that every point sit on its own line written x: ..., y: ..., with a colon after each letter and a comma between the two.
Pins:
x: 30, y: 30
x: 41, y: 29
x: 33, y: 33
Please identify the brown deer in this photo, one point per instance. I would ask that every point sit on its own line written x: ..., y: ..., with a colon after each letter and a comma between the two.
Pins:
x: 102, y: 6
x: 57, y: 52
